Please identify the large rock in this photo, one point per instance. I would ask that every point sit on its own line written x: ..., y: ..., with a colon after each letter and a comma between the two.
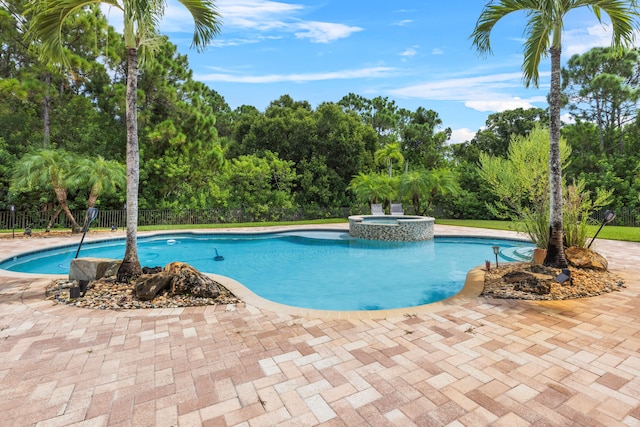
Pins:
x: 585, y: 258
x: 91, y: 268
x: 178, y: 279
x: 188, y: 280
x: 147, y: 286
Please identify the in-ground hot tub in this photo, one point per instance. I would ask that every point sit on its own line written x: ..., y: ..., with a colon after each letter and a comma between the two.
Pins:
x: 400, y: 228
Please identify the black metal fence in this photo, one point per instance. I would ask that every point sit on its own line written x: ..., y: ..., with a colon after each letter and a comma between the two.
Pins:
x: 106, y: 219
x: 629, y: 217
x: 118, y: 218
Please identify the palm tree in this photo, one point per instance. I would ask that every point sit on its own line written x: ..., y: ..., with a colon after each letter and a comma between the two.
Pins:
x: 440, y: 182
x: 544, y: 38
x: 47, y: 168
x: 387, y: 154
x: 426, y: 185
x: 101, y: 174
x: 372, y: 188
x: 414, y: 184
x: 141, y: 19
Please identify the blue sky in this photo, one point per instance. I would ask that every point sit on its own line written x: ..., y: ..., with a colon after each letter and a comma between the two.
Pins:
x: 417, y: 53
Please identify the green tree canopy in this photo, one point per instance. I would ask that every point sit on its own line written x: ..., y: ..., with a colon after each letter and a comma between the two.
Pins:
x: 603, y: 88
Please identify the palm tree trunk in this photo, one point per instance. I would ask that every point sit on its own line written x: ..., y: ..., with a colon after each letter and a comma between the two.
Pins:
x: 555, y: 248
x: 53, y: 218
x: 416, y: 204
x: 93, y: 198
x: 61, y: 195
x: 130, y: 267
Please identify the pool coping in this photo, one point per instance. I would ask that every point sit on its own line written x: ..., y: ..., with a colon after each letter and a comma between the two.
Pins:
x: 472, y: 288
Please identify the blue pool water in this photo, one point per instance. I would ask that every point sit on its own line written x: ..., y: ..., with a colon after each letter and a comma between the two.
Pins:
x: 311, y: 269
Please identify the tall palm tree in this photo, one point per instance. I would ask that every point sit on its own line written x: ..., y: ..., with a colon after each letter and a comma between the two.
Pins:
x: 387, y: 154
x: 141, y: 20
x: 544, y: 38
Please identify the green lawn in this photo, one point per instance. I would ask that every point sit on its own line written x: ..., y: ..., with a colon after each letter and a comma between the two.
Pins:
x: 631, y: 234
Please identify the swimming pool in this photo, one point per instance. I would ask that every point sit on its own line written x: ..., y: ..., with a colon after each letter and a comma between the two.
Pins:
x: 325, y: 270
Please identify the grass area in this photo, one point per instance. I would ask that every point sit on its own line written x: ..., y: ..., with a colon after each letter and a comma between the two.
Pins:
x: 611, y: 232
x: 478, y: 223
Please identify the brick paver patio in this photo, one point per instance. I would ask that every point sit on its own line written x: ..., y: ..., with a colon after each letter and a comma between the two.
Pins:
x: 474, y: 363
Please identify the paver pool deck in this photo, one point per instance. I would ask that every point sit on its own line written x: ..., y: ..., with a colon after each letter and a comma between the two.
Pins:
x: 472, y: 362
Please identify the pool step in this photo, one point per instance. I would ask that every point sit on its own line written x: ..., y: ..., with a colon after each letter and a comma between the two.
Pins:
x: 518, y: 254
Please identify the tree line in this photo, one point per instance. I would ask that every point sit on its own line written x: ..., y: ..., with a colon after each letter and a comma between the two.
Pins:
x: 196, y: 152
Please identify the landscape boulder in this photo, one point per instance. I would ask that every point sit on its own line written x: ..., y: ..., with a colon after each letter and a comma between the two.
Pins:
x: 147, y: 286
x: 92, y: 268
x: 188, y: 280
x: 585, y: 258
x: 177, y: 278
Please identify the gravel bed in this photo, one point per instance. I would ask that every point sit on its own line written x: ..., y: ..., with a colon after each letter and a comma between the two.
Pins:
x: 107, y: 294
x: 586, y: 283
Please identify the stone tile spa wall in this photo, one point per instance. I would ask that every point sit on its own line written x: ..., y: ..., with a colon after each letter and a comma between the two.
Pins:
x: 405, y: 229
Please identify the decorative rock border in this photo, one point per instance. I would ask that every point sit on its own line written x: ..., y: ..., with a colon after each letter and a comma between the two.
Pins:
x: 397, y: 228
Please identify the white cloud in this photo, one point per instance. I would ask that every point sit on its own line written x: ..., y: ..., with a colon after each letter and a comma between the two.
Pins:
x: 403, y: 22
x: 408, y: 52
x: 567, y: 119
x: 323, y: 32
x: 266, y: 15
x: 579, y: 41
x: 256, y: 14
x: 437, y: 51
x: 262, y: 16
x: 460, y: 88
x: 500, y: 105
x: 494, y: 92
x: 362, y: 73
x: 461, y: 135
x: 232, y: 42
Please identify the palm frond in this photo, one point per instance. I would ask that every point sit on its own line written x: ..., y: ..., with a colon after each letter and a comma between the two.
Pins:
x: 45, y: 28
x: 207, y: 21
x: 535, y: 47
